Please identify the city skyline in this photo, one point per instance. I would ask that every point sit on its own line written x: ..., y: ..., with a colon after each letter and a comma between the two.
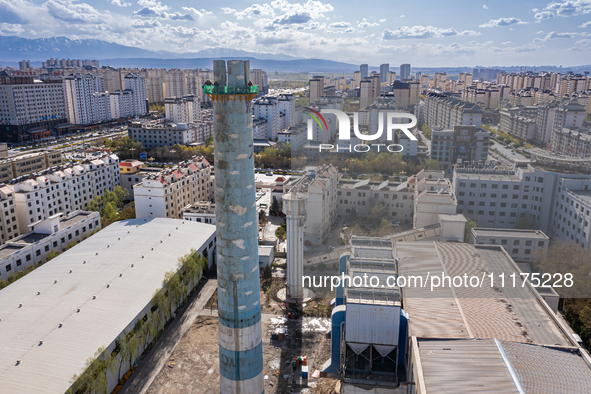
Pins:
x: 490, y: 33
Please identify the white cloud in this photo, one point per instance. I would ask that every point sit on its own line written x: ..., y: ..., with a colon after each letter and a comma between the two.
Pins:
x: 69, y: 11
x: 339, y: 25
x: 382, y: 20
x: 403, y: 16
x: 255, y: 11
x: 146, y: 23
x: 503, y: 22
x: 507, y: 43
x: 120, y: 3
x: 570, y: 7
x: 485, y: 7
x: 364, y: 24
x: 11, y: 29
x: 14, y: 11
x: 198, y: 13
x: 585, y: 25
x: 405, y: 32
x: 314, y: 8
x: 544, y: 15
x: 539, y: 32
x: 552, y: 35
x: 155, y: 9
x: 228, y: 10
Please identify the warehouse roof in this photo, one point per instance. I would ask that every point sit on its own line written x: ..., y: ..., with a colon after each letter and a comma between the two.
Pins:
x: 490, y: 365
x: 504, y: 232
x: 130, y: 256
x: 515, y: 313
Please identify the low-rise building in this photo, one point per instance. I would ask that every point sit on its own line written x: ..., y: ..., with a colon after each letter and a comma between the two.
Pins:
x: 64, y: 189
x: 28, y: 163
x: 320, y: 184
x: 153, y: 134
x: 465, y: 143
x: 262, y: 144
x: 9, y: 224
x: 52, y: 235
x: 522, y: 245
x: 129, y: 171
x: 266, y: 255
x: 572, y: 141
x: 519, y: 121
x: 111, y: 278
x: 359, y: 197
x: 296, y: 135
x: 201, y: 212
x: 165, y: 194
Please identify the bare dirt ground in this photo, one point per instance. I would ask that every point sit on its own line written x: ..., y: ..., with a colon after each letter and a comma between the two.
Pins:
x: 193, y: 367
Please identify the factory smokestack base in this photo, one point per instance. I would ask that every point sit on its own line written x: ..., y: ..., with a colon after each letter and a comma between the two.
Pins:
x: 239, y: 301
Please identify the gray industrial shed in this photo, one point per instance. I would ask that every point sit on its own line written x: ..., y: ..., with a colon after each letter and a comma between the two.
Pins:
x: 86, y: 298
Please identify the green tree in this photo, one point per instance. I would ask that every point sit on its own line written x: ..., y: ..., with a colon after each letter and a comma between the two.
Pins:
x: 52, y: 255
x: 280, y: 233
x: 468, y: 229
x: 431, y: 164
x: 267, y: 272
x: 426, y: 131
x: 377, y: 213
x: 385, y: 228
x: 275, y: 205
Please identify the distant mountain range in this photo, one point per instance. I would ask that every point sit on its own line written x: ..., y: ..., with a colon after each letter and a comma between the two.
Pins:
x: 14, y: 49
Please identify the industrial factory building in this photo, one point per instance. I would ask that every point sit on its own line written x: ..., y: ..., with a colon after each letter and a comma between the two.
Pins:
x: 57, y: 317
x: 414, y: 339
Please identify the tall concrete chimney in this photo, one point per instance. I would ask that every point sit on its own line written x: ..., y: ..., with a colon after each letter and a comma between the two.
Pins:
x: 239, y: 301
x: 294, y: 207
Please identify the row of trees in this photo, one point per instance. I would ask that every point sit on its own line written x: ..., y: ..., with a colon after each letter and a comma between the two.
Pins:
x: 279, y: 157
x: 111, y: 206
x: 126, y: 148
x: 176, y: 287
x: 383, y: 163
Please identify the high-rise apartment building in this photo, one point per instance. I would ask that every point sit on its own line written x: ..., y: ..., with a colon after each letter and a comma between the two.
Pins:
x: 316, y: 90
x: 556, y: 115
x: 384, y: 70
x: 183, y: 109
x: 364, y: 69
x: 404, y: 71
x: 446, y: 112
x: 27, y: 102
x: 88, y: 103
x: 81, y: 102
x: 259, y: 78
x: 137, y: 85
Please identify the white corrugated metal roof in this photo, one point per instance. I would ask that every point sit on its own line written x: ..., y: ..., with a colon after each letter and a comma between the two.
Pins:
x: 489, y: 365
x: 464, y: 366
x: 48, y: 368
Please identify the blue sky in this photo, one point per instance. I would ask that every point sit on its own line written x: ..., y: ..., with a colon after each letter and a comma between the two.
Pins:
x: 426, y: 33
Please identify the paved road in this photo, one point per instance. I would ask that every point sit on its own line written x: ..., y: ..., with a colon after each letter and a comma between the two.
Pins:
x: 145, y: 374
x: 506, y: 152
